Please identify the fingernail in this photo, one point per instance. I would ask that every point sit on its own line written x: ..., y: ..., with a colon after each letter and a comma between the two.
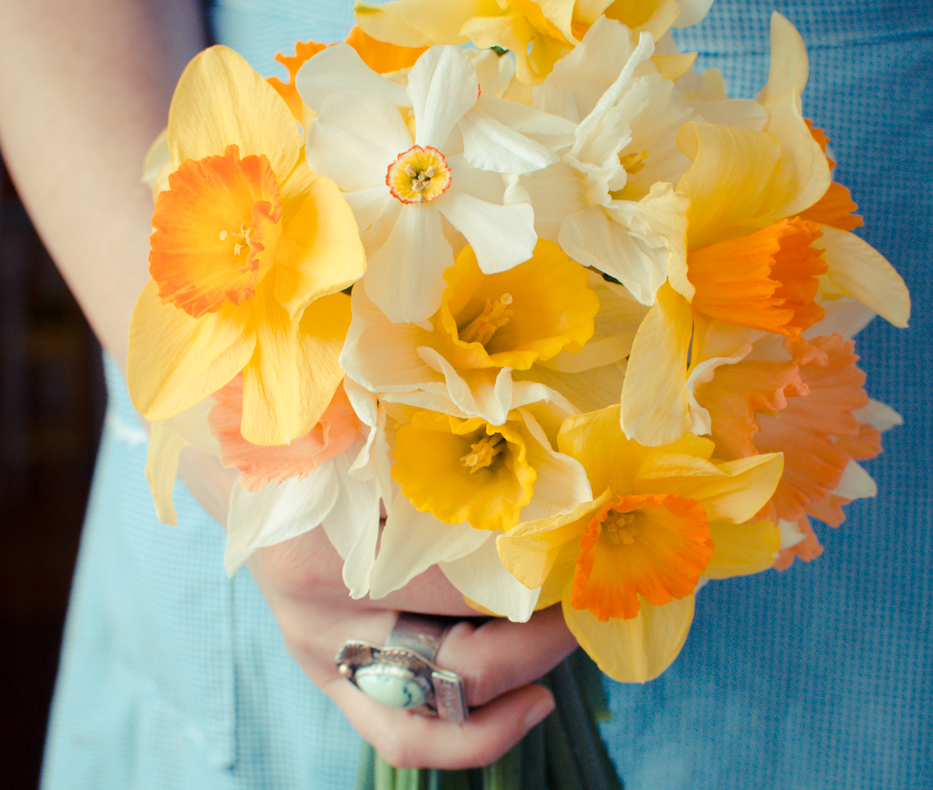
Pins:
x: 538, y: 712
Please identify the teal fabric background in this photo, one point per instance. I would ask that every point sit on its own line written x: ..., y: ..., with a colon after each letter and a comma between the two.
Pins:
x: 819, y: 677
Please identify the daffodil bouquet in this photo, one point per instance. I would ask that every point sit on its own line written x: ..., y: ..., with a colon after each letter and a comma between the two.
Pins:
x: 582, y: 323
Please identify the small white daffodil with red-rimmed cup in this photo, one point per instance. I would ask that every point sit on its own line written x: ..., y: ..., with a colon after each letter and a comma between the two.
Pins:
x: 411, y: 183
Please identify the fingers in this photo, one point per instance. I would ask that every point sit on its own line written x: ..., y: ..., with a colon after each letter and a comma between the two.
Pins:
x: 500, y: 656
x: 408, y: 740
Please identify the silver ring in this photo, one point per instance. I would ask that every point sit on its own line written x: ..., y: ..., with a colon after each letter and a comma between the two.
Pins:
x: 402, y: 673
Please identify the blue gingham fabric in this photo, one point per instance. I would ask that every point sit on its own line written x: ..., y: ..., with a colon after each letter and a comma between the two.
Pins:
x: 819, y: 677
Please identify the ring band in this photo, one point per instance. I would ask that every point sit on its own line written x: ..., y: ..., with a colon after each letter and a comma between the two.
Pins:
x: 402, y: 673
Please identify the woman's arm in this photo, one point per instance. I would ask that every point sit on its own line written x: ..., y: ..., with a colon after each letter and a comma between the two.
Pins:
x: 85, y: 87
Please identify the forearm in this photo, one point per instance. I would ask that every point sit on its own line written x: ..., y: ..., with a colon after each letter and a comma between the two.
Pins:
x: 84, y: 89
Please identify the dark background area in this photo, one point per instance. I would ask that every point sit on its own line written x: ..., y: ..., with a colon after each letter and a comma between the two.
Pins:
x: 51, y: 409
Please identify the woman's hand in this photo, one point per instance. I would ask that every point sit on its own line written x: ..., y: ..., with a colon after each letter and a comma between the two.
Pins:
x: 499, y: 661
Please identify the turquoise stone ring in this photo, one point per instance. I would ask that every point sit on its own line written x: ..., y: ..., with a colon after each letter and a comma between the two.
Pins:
x: 402, y: 673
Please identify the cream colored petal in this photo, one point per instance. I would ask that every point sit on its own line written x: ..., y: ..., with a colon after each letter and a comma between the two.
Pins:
x: 636, y: 650
x: 859, y: 270
x: 790, y: 66
x: 655, y: 408
x: 339, y: 69
x: 277, y: 512
x: 481, y: 577
x: 561, y: 483
x: 692, y: 12
x: 175, y: 361
x: 221, y: 101
x: 742, y: 549
x: 413, y: 541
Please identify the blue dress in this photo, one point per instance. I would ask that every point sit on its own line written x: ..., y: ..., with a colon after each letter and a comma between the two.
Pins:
x: 173, y: 676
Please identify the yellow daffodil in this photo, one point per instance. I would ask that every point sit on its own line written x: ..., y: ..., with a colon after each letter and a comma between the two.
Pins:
x: 538, y: 33
x: 489, y: 328
x: 625, y: 564
x: 249, y: 253
x: 458, y: 483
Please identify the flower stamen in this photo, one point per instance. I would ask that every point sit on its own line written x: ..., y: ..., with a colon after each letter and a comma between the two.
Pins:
x: 494, y: 316
x: 419, y: 175
x: 483, y: 452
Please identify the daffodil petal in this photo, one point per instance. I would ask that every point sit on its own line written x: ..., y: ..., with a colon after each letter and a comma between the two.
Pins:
x: 530, y: 549
x: 859, y: 270
x: 277, y: 513
x: 501, y: 236
x: 692, y: 12
x: 491, y: 145
x: 355, y: 139
x: 352, y: 524
x: 175, y: 361
x: 293, y: 373
x: 165, y: 447
x: 405, y: 278
x: 578, y: 80
x: 636, y: 650
x: 561, y: 483
x: 364, y: 358
x: 319, y: 251
x: 733, y: 490
x: 443, y: 87
x: 416, y: 23
x: 413, y: 541
x: 221, y: 101
x: 741, y: 549
x: 655, y: 409
x: 593, y: 239
x: 339, y: 69
x: 481, y: 577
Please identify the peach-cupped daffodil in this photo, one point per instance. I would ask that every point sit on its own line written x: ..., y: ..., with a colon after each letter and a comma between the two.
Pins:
x: 457, y: 484
x: 482, y: 353
x: 538, y: 33
x: 249, y: 253
x: 406, y: 186
x: 625, y: 564
x: 804, y: 400
x: 341, y: 494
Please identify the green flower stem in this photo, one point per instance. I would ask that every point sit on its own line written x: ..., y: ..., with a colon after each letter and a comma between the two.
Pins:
x: 505, y: 773
x: 564, y: 752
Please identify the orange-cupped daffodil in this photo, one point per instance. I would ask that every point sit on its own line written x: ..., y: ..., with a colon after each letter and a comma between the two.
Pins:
x: 625, y: 564
x: 753, y: 259
x: 249, y: 254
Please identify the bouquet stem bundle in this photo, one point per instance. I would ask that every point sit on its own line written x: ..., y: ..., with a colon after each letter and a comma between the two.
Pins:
x: 563, y: 752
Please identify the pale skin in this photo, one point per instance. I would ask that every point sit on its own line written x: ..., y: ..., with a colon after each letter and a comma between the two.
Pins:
x: 85, y: 87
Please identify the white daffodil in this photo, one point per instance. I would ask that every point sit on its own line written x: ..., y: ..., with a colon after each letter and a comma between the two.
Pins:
x: 342, y: 495
x: 408, y: 186
x: 610, y: 202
